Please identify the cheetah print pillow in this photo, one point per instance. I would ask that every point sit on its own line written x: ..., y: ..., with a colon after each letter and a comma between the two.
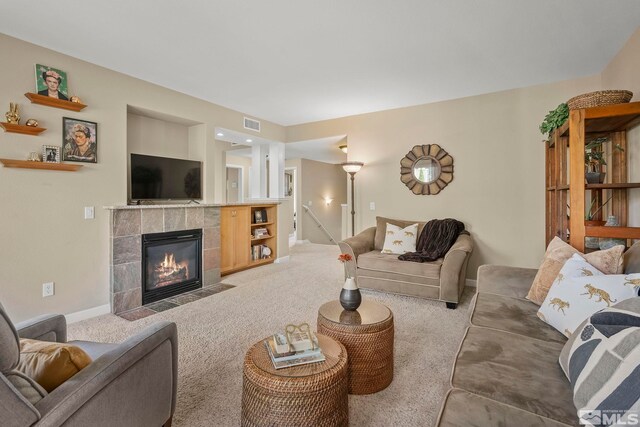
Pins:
x: 580, y: 290
x: 400, y: 240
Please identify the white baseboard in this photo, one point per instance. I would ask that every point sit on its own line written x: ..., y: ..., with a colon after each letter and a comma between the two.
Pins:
x: 471, y: 282
x: 302, y: 242
x: 88, y: 313
x: 282, y: 259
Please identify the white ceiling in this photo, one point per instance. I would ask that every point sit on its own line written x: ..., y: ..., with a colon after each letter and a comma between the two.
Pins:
x: 298, y: 61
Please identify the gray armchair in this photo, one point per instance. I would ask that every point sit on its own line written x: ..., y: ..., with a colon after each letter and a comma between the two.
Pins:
x: 443, y: 279
x: 128, y: 384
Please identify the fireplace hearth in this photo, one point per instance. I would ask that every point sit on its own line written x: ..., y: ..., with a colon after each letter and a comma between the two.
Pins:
x: 171, y: 264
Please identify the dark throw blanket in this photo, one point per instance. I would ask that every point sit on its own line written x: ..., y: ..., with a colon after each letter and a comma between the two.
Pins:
x: 437, y: 237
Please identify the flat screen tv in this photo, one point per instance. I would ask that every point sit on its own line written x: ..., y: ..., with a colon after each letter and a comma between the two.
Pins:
x: 164, y: 178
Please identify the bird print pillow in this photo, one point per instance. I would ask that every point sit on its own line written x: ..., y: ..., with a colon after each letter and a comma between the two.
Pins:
x: 580, y: 290
x: 400, y: 240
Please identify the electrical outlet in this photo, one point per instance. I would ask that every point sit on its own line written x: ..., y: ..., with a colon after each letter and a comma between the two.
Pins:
x: 372, y: 206
x: 89, y: 212
x: 47, y: 289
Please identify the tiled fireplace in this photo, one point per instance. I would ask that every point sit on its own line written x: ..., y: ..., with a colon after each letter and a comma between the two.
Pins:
x: 131, y: 225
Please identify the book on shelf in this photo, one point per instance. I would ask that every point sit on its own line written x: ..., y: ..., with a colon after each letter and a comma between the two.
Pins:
x: 260, y: 232
x: 259, y: 252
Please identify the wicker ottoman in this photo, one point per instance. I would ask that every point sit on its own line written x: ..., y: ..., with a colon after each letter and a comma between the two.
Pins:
x: 306, y: 395
x: 367, y: 333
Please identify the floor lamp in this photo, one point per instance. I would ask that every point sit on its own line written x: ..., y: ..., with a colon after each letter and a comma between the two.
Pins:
x: 352, y: 168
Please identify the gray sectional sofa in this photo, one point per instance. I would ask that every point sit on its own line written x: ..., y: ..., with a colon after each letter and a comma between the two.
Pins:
x: 506, y: 372
x: 442, y: 279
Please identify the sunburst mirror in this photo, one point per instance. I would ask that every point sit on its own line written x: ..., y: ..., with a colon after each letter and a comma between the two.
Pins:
x: 426, y: 169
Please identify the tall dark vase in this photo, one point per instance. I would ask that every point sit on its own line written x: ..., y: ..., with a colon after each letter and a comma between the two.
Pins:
x: 350, y: 297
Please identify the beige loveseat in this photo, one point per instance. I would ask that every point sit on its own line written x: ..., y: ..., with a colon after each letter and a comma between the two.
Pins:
x: 443, y: 279
x: 506, y: 372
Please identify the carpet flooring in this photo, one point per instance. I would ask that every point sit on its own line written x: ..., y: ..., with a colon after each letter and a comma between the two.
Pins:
x: 215, y: 332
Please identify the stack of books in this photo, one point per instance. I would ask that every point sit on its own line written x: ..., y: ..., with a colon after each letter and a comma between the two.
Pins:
x: 285, y: 354
x: 260, y: 252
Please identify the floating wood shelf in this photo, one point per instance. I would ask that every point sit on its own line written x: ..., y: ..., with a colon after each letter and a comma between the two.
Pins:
x: 24, y: 164
x: 54, y: 102
x: 25, y: 130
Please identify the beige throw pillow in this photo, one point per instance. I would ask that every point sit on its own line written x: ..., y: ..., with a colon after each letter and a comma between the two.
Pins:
x: 400, y: 240
x: 558, y: 252
x: 50, y: 363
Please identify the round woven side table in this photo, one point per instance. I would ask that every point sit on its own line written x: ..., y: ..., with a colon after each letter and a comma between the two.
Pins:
x: 305, y: 395
x: 367, y: 334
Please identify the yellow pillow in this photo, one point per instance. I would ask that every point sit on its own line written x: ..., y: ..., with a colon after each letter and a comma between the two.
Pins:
x: 608, y: 261
x: 50, y: 363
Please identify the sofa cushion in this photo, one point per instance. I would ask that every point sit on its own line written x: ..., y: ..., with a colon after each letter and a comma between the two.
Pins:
x: 513, y: 315
x: 604, y: 363
x: 93, y: 349
x: 381, y: 229
x: 399, y: 241
x: 377, y: 261
x: 515, y: 370
x: 50, y: 364
x: 508, y: 281
x: 9, y: 346
x: 462, y: 408
x: 632, y: 259
x: 608, y: 261
x: 573, y: 300
x: 28, y: 388
x: 397, y: 286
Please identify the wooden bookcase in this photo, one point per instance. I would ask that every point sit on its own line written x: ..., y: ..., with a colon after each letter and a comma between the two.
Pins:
x: 240, y: 248
x: 565, y: 187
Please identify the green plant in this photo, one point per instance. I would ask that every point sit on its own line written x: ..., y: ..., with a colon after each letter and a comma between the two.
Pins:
x: 593, y: 154
x: 554, y: 119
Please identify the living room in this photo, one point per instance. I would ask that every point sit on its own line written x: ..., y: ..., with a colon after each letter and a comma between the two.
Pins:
x: 480, y: 96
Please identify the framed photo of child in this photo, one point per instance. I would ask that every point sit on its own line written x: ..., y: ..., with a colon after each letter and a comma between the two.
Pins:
x: 79, y: 141
x: 51, y: 82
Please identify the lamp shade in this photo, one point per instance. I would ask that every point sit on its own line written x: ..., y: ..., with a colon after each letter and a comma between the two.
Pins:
x: 352, y: 167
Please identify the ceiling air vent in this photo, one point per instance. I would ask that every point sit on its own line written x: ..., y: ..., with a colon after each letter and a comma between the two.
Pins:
x: 251, y: 124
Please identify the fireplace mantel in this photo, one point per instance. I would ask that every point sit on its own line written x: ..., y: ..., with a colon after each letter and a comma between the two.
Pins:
x: 129, y: 223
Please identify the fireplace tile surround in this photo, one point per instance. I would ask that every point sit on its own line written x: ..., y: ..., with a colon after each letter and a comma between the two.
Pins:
x: 128, y: 223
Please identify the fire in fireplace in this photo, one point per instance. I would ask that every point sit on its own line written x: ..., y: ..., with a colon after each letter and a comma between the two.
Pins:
x: 171, y: 264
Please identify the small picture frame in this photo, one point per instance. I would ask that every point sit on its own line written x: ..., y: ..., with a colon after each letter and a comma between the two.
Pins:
x: 257, y: 216
x: 50, y: 154
x: 79, y: 141
x: 51, y: 82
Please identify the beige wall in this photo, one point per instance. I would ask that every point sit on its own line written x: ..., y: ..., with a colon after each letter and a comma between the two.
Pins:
x: 297, y: 165
x: 622, y: 73
x: 498, y: 185
x: 245, y: 163
x: 43, y: 236
x: 154, y: 137
x: 319, y: 180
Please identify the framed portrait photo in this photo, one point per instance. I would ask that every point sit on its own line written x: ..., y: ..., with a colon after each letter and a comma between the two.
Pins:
x: 79, y: 140
x: 50, y: 154
x: 51, y: 82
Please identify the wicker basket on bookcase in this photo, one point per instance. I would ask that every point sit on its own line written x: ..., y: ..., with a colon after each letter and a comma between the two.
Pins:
x: 599, y: 98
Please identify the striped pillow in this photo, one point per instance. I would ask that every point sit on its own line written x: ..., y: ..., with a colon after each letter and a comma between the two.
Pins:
x: 604, y: 365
